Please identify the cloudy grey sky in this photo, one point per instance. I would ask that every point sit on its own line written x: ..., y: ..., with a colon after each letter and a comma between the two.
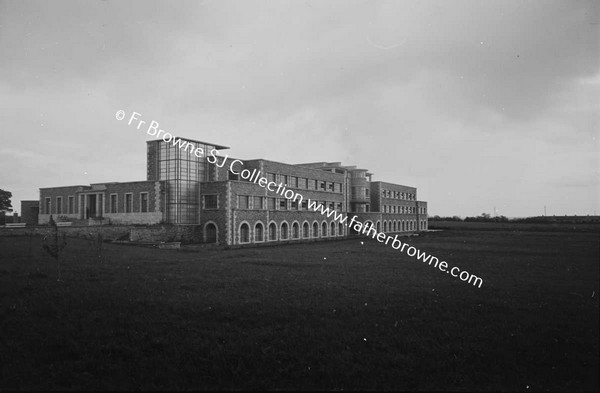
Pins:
x: 476, y: 103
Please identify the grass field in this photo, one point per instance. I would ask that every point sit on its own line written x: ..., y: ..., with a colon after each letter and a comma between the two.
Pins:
x: 330, y: 315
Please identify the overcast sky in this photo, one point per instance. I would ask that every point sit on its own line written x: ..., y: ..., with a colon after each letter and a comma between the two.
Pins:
x: 478, y: 104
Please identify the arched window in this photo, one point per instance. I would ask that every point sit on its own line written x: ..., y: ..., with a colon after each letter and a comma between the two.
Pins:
x: 295, y: 231
x: 284, y: 231
x: 324, y: 229
x: 394, y: 223
x: 340, y: 229
x: 272, y: 231
x: 306, y: 230
x: 385, y: 226
x: 402, y: 225
x: 258, y: 232
x: 210, y: 233
x: 378, y: 226
x: 244, y: 233
x: 315, y: 229
x: 332, y: 232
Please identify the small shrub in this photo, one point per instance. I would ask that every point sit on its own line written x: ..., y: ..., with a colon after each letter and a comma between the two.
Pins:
x: 53, y: 246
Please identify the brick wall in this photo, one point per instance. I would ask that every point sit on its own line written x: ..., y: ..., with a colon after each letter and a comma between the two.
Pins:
x: 152, y: 216
x: 167, y: 233
x: 219, y: 217
x: 152, y: 160
x: 135, y: 188
x: 64, y: 192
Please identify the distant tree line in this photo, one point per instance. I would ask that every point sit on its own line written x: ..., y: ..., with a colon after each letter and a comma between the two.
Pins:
x: 485, y: 217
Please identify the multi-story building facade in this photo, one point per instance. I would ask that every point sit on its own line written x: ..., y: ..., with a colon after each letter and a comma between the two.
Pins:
x: 187, y: 189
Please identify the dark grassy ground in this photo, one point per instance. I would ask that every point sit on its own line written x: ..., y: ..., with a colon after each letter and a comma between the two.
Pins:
x: 336, y: 315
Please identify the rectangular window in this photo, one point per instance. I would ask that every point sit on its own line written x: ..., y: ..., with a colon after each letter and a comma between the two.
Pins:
x: 283, y: 204
x: 293, y: 205
x: 271, y: 203
x: 323, y: 186
x: 113, y: 203
x: 58, y: 205
x: 284, y: 180
x: 258, y: 203
x: 331, y: 206
x: 338, y: 206
x: 128, y: 203
x: 271, y: 177
x: 71, y: 205
x: 144, y: 202
x: 331, y: 186
x: 243, y: 202
x: 304, y: 205
x: 210, y: 202
x: 302, y: 182
x: 311, y: 184
x: 293, y: 181
x: 338, y: 187
x: 47, y: 206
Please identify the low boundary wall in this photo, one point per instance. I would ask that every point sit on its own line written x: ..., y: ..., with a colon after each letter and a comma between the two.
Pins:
x: 108, y: 232
x: 166, y: 233
x: 161, y: 233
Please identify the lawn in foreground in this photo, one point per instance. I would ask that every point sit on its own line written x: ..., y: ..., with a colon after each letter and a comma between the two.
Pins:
x: 351, y: 314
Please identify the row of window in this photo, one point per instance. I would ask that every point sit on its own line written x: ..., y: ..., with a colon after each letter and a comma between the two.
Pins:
x: 403, y: 225
x: 114, y: 203
x: 283, y: 232
x: 403, y: 209
x: 249, y: 202
x: 398, y: 195
x: 304, y: 183
x: 59, y: 205
x: 113, y: 207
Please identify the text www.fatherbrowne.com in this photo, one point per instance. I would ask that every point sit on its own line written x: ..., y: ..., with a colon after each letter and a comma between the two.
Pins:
x: 255, y: 177
x: 381, y: 237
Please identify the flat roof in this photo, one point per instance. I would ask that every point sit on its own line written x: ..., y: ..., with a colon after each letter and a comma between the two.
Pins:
x: 330, y: 165
x: 393, y: 184
x: 217, y: 147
